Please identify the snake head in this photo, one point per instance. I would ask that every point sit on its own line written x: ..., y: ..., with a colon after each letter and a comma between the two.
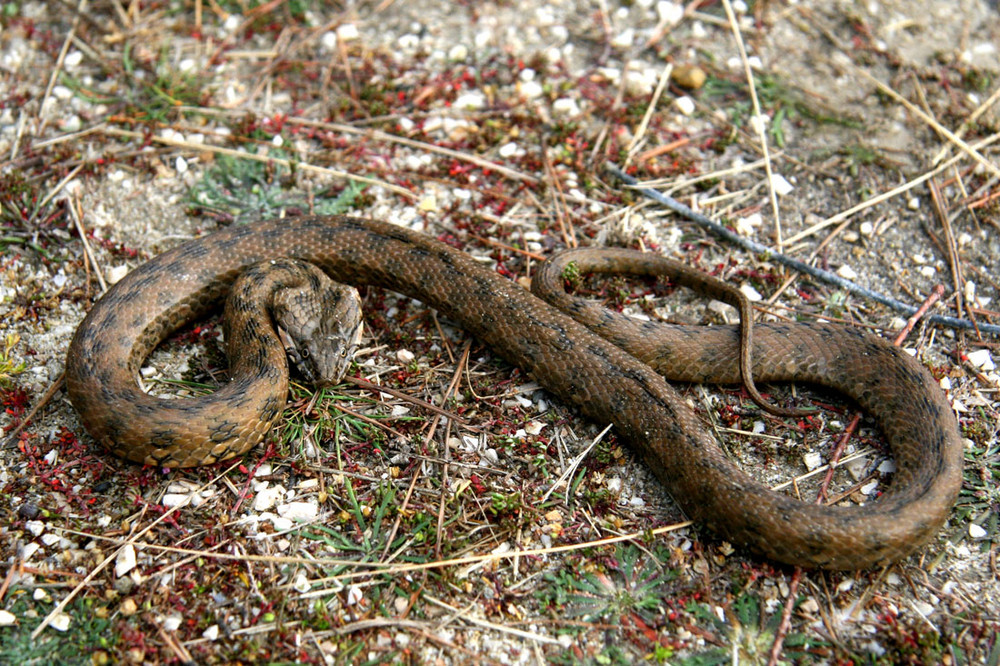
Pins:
x: 321, y: 329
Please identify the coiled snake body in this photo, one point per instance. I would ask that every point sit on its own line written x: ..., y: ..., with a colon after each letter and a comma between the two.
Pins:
x: 605, y: 382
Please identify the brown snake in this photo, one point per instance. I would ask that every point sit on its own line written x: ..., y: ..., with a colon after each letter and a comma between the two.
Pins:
x: 605, y: 382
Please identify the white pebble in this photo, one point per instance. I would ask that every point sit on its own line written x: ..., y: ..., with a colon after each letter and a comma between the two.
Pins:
x: 125, y: 560
x: 347, y: 32
x: 405, y: 356
x: 268, y: 497
x: 7, y: 619
x: 982, y: 359
x: 508, y: 149
x: 181, y: 165
x: 73, y: 58
x: 298, y: 510
x: 752, y: 294
x: 116, y: 273
x: 36, y: 527
x: 866, y: 228
x: 928, y: 271
x: 869, y: 488
x: 458, y: 52
x: 470, y: 101
x: 976, y: 531
x: 624, y: 39
x: 566, y: 106
x: 530, y: 89
x: 812, y: 460
x: 781, y: 185
x: 60, y: 622
x: 670, y: 13
x: 211, y: 633
x: 847, y: 272
x: 685, y: 105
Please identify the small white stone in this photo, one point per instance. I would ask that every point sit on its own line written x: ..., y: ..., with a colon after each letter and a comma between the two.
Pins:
x: 211, y: 633
x: 812, y: 460
x: 928, y: 271
x: 887, y: 467
x: 7, y: 619
x: 846, y: 272
x: 977, y: 532
x: 685, y: 105
x: 298, y: 510
x: 752, y: 294
x: 471, y: 100
x: 615, y: 484
x: 866, y: 228
x: 172, y: 622
x: 125, y: 560
x: 458, y: 52
x: 781, y: 185
x: 923, y: 608
x: 301, y: 583
x: 328, y: 40
x: 982, y: 359
x: 36, y: 527
x: 354, y: 595
x: 171, y: 500
x: 530, y: 89
x: 670, y: 13
x: 566, y: 106
x: 266, y: 498
x: 624, y: 39
x: 181, y: 165
x: 73, y: 58
x: 869, y: 488
x: 116, y: 273
x: 60, y: 622
x: 945, y: 383
x: 759, y: 122
x: 62, y: 93
x: 405, y: 356
x: 347, y: 32
x: 745, y: 226
x: 50, y: 539
x: 508, y: 149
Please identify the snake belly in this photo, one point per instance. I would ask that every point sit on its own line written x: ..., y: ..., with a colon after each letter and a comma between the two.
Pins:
x: 606, y: 384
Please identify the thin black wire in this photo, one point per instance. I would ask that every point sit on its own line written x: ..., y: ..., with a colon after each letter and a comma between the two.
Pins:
x: 818, y: 273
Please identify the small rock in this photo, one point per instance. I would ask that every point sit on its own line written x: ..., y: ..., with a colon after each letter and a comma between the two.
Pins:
x: 691, y: 77
x: 982, y: 359
x: 977, y: 532
x: 125, y: 560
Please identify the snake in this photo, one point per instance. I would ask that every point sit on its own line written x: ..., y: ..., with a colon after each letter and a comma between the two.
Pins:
x: 611, y: 368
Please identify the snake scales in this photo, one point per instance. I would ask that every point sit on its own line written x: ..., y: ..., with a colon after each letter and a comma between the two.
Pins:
x: 605, y: 382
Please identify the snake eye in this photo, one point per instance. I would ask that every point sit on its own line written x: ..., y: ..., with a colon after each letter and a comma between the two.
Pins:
x: 304, y: 352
